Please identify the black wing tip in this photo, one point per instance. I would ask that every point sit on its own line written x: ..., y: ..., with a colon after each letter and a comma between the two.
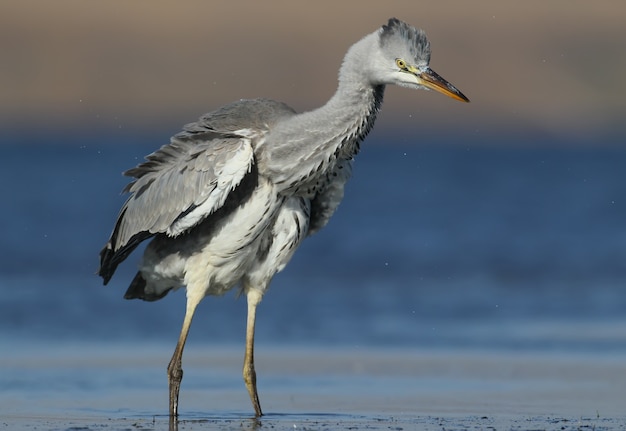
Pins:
x: 109, y: 259
x: 107, y: 264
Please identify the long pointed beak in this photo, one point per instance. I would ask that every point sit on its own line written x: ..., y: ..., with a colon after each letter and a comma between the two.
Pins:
x: 428, y: 78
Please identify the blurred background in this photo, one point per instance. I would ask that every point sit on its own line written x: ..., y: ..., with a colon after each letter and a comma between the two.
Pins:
x: 499, y: 224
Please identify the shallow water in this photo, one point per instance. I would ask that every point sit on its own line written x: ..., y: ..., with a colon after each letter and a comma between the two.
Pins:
x: 124, y: 387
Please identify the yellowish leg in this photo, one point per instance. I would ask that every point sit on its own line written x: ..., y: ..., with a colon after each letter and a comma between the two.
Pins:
x: 174, y: 369
x: 249, y: 374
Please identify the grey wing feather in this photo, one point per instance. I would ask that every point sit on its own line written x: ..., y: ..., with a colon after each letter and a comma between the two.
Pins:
x: 177, y: 187
x: 241, y: 116
x: 183, y: 183
x: 187, y: 180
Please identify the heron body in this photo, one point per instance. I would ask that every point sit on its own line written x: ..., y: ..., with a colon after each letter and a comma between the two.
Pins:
x: 231, y: 197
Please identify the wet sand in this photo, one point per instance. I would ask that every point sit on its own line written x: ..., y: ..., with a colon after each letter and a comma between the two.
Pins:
x: 324, y: 422
x: 111, y: 388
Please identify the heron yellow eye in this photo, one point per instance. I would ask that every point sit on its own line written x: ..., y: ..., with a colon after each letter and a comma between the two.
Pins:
x: 401, y: 63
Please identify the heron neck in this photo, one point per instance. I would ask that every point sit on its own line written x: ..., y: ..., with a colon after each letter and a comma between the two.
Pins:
x: 315, y: 140
x: 352, y: 110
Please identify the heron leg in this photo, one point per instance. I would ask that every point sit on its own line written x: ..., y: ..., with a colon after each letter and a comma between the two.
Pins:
x: 249, y: 374
x: 174, y: 369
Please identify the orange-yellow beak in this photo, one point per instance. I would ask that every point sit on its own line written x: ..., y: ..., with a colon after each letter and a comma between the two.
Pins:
x: 429, y: 79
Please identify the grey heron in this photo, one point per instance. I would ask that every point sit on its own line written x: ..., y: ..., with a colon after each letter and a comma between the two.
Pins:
x: 232, y: 196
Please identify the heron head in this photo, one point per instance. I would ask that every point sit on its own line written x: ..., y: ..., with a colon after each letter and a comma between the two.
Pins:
x: 405, y: 52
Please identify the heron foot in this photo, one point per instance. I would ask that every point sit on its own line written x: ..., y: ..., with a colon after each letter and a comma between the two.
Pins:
x: 249, y: 377
x: 175, y: 376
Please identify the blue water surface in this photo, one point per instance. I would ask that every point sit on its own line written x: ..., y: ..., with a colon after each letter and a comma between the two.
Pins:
x: 476, y: 246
